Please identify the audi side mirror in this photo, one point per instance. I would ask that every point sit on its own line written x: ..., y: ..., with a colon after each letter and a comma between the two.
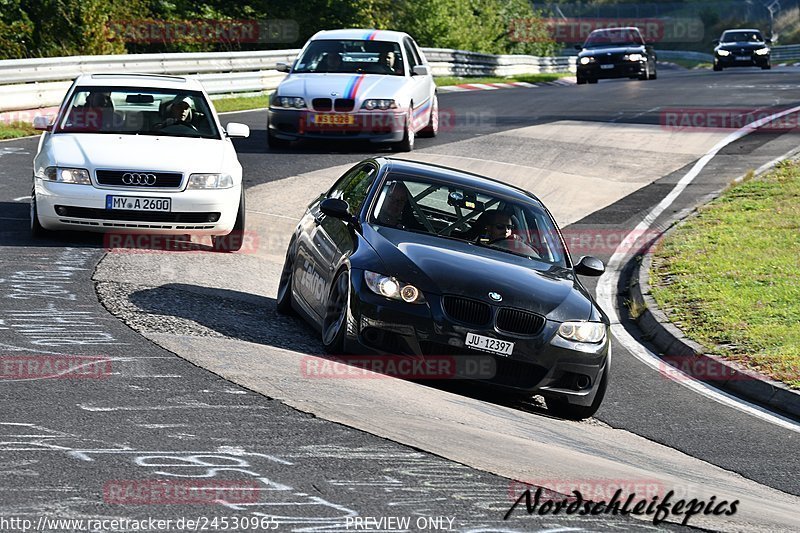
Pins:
x: 236, y: 130
x: 42, y: 123
x: 336, y: 208
x: 282, y: 67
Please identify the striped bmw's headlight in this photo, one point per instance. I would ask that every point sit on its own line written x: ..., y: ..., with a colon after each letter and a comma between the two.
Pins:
x: 288, y: 102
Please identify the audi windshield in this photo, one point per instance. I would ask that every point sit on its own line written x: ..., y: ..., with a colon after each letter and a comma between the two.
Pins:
x: 138, y: 111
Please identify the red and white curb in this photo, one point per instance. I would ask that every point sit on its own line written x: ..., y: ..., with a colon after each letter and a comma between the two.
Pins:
x: 501, y: 85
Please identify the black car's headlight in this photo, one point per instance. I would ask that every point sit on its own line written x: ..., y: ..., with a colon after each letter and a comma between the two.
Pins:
x: 585, y: 60
x: 634, y: 57
x: 379, y: 103
x: 762, y: 51
x: 289, y: 102
x: 391, y: 287
x: 67, y: 175
x: 591, y: 332
x: 723, y: 53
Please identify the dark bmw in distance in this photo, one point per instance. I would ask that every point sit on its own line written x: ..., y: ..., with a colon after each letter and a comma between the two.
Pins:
x: 615, y: 53
x: 742, y: 48
x: 410, y: 259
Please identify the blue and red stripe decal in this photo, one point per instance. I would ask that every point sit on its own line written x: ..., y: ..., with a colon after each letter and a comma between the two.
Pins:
x: 352, y: 86
x: 370, y: 36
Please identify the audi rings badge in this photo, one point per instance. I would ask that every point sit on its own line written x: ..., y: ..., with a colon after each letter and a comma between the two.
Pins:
x: 138, y: 178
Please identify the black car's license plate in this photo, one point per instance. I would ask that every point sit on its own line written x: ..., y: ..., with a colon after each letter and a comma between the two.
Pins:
x: 489, y: 344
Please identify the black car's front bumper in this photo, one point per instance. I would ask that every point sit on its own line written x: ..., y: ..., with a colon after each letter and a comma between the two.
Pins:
x: 748, y: 59
x: 545, y: 363
x: 375, y: 126
x: 619, y: 69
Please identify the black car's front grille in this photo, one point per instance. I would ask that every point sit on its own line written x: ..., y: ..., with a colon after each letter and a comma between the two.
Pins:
x: 466, y: 310
x: 321, y: 104
x: 144, y: 216
x: 139, y: 178
x: 344, y: 104
x: 605, y: 58
x: 519, y: 322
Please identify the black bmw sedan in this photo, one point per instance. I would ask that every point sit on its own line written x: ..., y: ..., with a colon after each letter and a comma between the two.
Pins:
x: 742, y: 48
x: 615, y: 53
x: 406, y: 259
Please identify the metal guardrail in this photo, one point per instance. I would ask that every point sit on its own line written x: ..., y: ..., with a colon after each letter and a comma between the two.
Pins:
x: 684, y: 54
x: 35, y: 83
x: 787, y: 52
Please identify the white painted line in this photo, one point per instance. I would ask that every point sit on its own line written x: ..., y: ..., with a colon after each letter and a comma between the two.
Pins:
x: 608, y: 283
x: 504, y: 85
x: 452, y: 88
x: 23, y: 199
x: 524, y: 84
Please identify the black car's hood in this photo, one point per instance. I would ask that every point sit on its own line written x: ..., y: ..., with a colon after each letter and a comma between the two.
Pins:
x: 446, y: 266
x: 632, y: 49
x: 749, y: 46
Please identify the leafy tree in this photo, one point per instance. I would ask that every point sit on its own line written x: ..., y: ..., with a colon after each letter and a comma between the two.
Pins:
x: 16, y: 30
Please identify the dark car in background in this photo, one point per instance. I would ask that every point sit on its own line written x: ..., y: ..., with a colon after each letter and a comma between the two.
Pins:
x: 615, y: 53
x: 742, y: 48
x: 406, y: 259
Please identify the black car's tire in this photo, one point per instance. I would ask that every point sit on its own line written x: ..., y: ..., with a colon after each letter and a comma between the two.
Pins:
x: 37, y: 231
x: 591, y: 80
x: 645, y: 76
x: 283, y: 302
x: 233, y: 241
x: 654, y: 75
x: 717, y: 68
x: 562, y: 409
x: 407, y: 144
x: 433, y: 121
x: 766, y: 67
x: 274, y: 142
x: 337, y: 309
x: 581, y: 80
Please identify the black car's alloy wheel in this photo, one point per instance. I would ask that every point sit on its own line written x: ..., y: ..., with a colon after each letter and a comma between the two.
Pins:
x: 334, y: 324
x: 283, y: 302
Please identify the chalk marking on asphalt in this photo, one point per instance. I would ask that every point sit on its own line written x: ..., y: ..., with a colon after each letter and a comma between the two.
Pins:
x: 606, y: 287
x: 14, y: 218
x: 23, y: 199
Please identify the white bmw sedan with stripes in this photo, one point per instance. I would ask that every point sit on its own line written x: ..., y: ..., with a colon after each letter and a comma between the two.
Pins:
x: 355, y: 85
x: 139, y: 153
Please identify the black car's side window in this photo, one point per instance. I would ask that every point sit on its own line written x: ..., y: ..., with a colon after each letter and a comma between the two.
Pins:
x: 354, y: 186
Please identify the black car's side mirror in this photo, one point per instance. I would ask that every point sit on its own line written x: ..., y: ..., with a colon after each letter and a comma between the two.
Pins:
x: 336, y: 208
x: 578, y: 47
x: 715, y: 42
x: 768, y: 41
x: 590, y: 266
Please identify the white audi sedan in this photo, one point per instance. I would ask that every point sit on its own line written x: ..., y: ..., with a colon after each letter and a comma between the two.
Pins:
x: 139, y: 153
x: 355, y: 84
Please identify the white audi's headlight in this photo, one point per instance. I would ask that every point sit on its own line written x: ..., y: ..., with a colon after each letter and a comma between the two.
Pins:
x: 67, y: 175
x: 390, y: 287
x: 378, y: 103
x: 762, y: 51
x: 586, y: 60
x: 635, y: 57
x: 210, y: 181
x: 723, y: 53
x: 592, y: 332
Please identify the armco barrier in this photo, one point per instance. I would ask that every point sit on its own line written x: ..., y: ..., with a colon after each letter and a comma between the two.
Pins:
x: 42, y: 82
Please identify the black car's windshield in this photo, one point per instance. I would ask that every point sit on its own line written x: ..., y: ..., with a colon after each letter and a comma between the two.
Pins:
x: 613, y: 37
x: 455, y: 212
x: 138, y: 111
x: 741, y: 37
x: 352, y: 57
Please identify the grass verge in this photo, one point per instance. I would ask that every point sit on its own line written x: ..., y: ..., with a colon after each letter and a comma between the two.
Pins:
x: 13, y: 130
x: 529, y: 78
x: 729, y: 276
x: 241, y: 103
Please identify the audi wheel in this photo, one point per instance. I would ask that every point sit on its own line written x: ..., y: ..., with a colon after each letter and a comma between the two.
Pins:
x: 233, y: 241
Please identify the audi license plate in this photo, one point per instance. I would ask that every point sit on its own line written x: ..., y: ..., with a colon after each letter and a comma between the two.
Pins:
x: 606, y: 66
x: 334, y: 119
x: 138, y: 203
x: 488, y: 344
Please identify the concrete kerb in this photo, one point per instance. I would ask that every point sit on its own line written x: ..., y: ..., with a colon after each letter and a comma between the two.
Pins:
x: 670, y: 341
